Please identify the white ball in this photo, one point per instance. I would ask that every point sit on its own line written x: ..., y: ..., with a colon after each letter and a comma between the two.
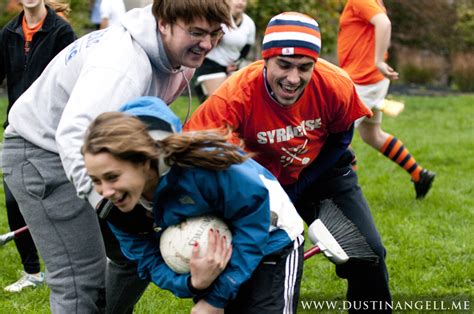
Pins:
x: 177, y: 241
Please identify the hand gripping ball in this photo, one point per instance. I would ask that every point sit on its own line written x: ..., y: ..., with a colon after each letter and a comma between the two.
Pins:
x: 177, y: 241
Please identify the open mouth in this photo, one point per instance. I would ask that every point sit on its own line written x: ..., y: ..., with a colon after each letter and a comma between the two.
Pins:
x: 197, y: 51
x: 289, y: 91
x: 118, y: 202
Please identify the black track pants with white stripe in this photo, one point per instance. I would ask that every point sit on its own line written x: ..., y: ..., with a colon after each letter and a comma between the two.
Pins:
x: 275, y: 285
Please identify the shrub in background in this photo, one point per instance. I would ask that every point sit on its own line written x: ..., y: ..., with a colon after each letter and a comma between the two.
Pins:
x: 464, y: 26
x: 80, y: 17
x: 7, y: 11
x: 463, y: 71
x: 326, y: 12
x: 411, y: 73
x: 421, y: 67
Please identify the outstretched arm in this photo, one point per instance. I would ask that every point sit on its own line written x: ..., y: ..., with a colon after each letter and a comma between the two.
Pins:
x: 383, y: 30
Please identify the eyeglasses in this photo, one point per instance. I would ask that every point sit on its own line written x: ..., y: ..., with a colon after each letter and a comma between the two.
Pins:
x: 199, y: 34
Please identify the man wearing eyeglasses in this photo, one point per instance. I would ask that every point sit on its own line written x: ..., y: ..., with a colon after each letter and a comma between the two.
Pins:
x: 153, y: 52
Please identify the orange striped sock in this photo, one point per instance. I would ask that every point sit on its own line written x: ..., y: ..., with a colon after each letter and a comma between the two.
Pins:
x: 393, y: 148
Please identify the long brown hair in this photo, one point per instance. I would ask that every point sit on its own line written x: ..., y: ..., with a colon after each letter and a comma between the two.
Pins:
x: 170, y: 11
x: 127, y: 138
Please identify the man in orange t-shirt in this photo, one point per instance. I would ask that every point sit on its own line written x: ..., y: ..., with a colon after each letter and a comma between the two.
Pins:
x: 295, y: 113
x: 363, y: 41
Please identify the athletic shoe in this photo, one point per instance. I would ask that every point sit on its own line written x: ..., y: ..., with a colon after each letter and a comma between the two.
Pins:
x: 26, y: 280
x: 424, y: 184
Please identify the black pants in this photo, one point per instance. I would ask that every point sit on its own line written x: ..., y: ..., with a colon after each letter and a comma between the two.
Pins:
x: 366, y: 281
x: 274, y: 286
x: 124, y: 287
x: 24, y: 242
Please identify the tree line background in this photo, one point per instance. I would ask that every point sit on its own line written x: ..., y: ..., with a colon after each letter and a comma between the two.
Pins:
x: 432, y: 40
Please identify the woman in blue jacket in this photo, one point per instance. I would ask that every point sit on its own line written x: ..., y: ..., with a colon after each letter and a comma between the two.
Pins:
x: 136, y: 157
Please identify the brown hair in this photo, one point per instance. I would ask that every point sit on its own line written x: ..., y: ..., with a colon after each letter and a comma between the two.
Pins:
x: 127, y: 138
x: 61, y: 8
x: 170, y: 11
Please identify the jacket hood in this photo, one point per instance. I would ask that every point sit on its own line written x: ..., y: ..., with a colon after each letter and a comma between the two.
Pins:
x: 155, y: 113
x: 142, y: 26
x: 159, y: 118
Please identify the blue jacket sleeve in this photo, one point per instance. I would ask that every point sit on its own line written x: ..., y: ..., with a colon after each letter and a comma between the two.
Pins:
x: 246, y: 206
x: 335, y: 146
x: 145, y: 250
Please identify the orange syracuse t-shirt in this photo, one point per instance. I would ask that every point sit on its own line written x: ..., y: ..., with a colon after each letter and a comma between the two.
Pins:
x: 283, y: 140
x: 356, y: 41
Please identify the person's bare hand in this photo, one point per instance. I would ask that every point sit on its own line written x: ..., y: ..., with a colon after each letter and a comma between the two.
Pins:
x: 205, y: 269
x: 202, y: 307
x: 387, y: 71
x: 232, y: 68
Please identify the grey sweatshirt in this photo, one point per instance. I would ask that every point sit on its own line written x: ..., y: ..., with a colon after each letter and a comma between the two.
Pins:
x: 99, y: 72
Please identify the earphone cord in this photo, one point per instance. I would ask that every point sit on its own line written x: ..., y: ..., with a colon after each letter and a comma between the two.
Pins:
x: 189, y: 98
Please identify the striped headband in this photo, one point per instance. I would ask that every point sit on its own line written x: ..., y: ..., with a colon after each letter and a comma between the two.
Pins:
x: 292, y: 33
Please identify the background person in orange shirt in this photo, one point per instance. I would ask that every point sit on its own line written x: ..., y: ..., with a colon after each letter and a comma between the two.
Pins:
x: 363, y: 41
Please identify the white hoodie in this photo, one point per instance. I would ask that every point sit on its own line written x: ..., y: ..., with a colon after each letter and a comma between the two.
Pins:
x: 97, y: 73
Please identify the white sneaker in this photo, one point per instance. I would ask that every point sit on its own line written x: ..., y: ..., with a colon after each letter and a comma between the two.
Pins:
x: 26, y: 280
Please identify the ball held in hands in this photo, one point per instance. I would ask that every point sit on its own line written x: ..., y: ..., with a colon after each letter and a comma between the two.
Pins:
x: 177, y: 241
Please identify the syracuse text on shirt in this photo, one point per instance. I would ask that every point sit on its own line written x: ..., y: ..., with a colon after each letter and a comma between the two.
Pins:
x: 287, y: 133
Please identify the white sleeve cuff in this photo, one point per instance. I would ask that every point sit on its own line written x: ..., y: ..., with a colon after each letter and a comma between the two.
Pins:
x: 94, y: 198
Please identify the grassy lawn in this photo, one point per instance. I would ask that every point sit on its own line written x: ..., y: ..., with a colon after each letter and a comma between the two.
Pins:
x: 429, y: 243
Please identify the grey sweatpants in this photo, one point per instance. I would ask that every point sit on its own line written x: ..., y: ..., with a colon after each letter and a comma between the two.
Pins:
x: 65, y: 230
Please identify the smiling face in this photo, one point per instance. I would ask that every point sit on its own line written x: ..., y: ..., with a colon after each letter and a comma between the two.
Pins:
x: 188, y: 44
x: 119, y: 181
x: 288, y: 77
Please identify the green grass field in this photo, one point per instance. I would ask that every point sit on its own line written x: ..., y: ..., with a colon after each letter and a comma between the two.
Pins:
x: 430, y: 243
